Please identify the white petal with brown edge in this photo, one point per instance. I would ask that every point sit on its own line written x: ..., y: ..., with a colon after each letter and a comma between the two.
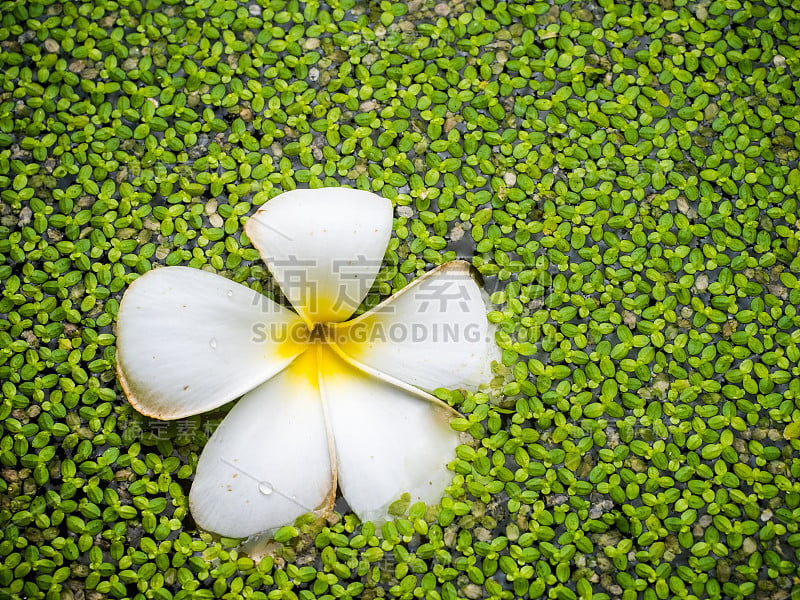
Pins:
x: 189, y: 341
x: 388, y: 441
x: 324, y: 247
x: 432, y: 333
x: 269, y: 461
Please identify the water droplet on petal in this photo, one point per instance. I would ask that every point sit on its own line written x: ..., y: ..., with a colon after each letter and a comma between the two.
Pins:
x: 229, y: 293
x: 213, y: 343
x: 265, y: 487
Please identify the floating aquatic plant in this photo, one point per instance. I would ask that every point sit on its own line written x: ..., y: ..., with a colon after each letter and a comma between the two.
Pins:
x: 624, y: 174
x: 326, y: 400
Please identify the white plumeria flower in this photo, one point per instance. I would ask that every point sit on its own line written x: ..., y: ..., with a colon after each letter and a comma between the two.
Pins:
x: 325, y: 401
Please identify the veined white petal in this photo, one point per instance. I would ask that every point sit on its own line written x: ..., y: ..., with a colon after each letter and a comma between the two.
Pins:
x: 269, y: 461
x: 189, y: 341
x: 388, y: 441
x: 324, y: 247
x: 432, y: 333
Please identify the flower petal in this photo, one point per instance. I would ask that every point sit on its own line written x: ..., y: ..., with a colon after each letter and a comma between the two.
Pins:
x: 324, y: 247
x: 388, y: 441
x: 269, y: 461
x: 189, y: 341
x: 432, y: 333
